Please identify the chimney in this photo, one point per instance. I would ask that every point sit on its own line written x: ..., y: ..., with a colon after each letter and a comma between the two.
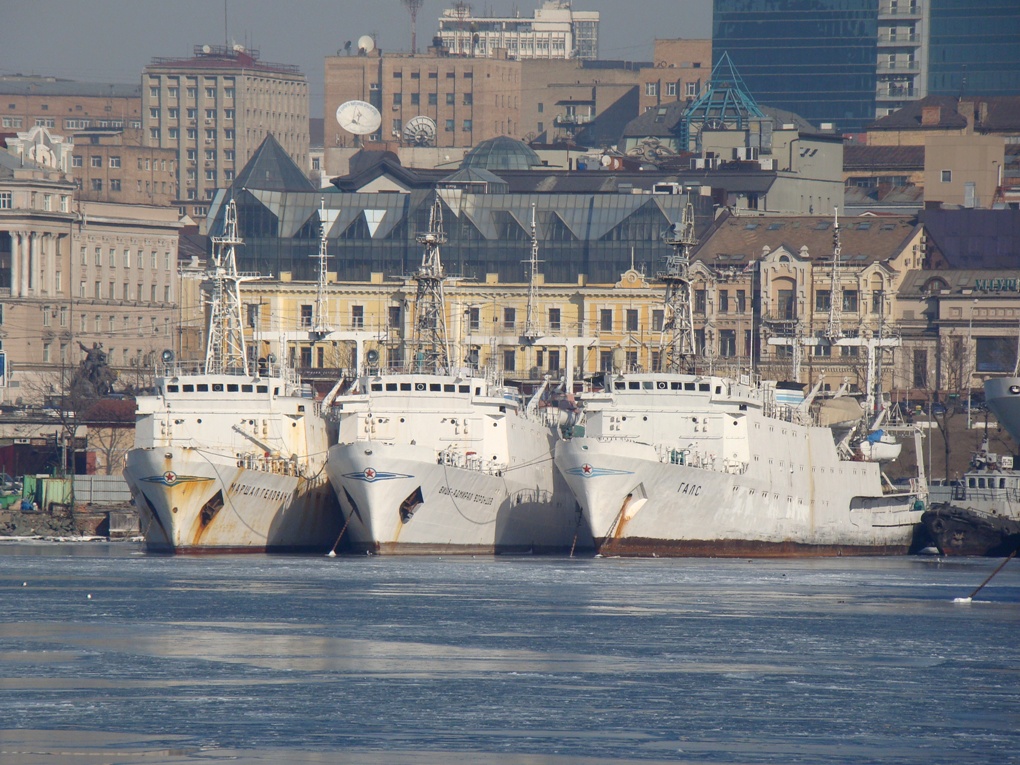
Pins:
x: 931, y: 116
x: 968, y: 112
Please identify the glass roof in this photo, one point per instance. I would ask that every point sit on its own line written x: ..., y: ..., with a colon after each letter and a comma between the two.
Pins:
x: 501, y: 153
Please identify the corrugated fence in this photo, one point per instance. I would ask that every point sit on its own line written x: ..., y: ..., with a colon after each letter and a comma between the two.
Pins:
x: 101, y: 490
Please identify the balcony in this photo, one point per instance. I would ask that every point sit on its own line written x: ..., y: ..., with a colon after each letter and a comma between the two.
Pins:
x: 570, y: 120
x: 890, y: 40
x: 899, y: 67
x: 910, y: 10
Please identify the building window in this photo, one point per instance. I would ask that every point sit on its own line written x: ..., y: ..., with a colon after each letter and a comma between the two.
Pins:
x: 154, y: 113
x: 658, y: 315
x: 6, y: 200
x: 509, y: 361
x: 96, y: 161
x: 850, y: 300
x: 115, y: 184
x: 210, y: 175
x: 210, y: 114
x: 632, y: 320
x: 98, y: 291
x: 228, y: 92
x: 415, y: 99
x: 509, y: 318
x: 398, y: 99
x: 192, y: 134
x: 467, y: 126
x: 877, y: 299
x: 394, y: 317
x: 606, y: 319
x: 306, y: 316
x: 741, y: 301
x: 468, y: 99
x: 651, y: 88
x: 449, y: 99
x: 433, y: 99
x: 947, y: 176
x: 474, y: 319
x: 699, y: 301
x: 606, y: 361
x: 823, y: 349
x: 449, y: 126
x: 671, y: 89
x: 228, y: 134
x: 46, y: 316
x: 210, y: 92
x: 97, y: 184
x: 823, y: 300
x: 554, y: 320
x: 357, y: 316
x: 76, y: 161
x: 154, y: 92
x: 46, y: 352
x: 724, y: 301
x: 173, y: 92
x: 691, y: 90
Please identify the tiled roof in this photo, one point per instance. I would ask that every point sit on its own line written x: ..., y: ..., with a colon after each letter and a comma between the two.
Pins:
x: 879, y: 158
x: 738, y: 239
x: 909, y: 117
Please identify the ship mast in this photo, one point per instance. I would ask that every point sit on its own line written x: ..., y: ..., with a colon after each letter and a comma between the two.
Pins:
x: 530, y: 327
x: 676, y: 343
x: 834, y: 330
x: 225, y: 350
x: 429, y: 341
x: 326, y: 219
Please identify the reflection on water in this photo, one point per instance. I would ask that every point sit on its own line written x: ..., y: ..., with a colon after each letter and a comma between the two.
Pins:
x: 517, y: 660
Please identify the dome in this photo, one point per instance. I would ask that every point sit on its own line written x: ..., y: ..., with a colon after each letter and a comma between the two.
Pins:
x: 501, y: 153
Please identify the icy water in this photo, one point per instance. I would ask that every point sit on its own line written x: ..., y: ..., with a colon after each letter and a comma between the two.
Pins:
x: 514, y: 661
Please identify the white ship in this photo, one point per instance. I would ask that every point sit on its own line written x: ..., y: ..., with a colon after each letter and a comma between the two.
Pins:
x: 676, y: 463
x: 229, y: 458
x: 439, y: 460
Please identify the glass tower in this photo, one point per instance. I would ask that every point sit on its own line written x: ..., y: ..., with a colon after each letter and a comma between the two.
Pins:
x: 816, y: 58
x: 974, y: 48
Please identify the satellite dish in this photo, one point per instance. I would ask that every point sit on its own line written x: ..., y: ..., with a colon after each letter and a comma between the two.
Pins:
x: 420, y: 131
x: 606, y: 160
x: 366, y: 43
x: 168, y: 356
x: 358, y: 117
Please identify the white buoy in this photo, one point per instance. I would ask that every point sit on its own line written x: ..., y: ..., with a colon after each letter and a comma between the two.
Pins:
x: 331, y: 554
x: 962, y: 600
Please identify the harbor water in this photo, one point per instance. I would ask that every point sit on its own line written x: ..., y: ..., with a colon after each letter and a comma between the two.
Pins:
x: 112, y: 655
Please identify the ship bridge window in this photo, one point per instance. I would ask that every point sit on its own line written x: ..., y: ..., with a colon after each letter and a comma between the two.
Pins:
x: 647, y: 385
x: 463, y: 388
x: 450, y: 388
x: 704, y: 387
x: 435, y: 387
x: 231, y: 387
x: 970, y: 483
x: 217, y: 387
x: 247, y: 388
x: 405, y: 386
x: 391, y: 386
x: 718, y: 390
x: 276, y: 391
x: 262, y: 389
x: 376, y: 386
x: 478, y: 391
x: 189, y: 388
x: 620, y: 385
x: 634, y: 385
x: 676, y: 386
x: 202, y: 387
x: 171, y: 389
x: 688, y: 386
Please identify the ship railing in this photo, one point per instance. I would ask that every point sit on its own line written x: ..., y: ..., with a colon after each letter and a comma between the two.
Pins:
x: 693, y: 458
x: 268, y: 464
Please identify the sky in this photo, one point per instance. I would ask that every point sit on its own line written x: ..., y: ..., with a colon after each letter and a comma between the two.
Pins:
x: 112, y: 41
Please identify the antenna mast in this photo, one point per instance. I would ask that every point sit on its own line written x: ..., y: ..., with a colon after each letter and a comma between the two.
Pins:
x: 225, y: 349
x: 835, y: 329
x: 530, y: 328
x: 412, y: 8
x: 429, y: 341
x: 676, y: 343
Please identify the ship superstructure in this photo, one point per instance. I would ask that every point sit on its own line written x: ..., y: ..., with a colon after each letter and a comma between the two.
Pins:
x: 229, y: 456
x: 435, y: 458
x: 680, y: 463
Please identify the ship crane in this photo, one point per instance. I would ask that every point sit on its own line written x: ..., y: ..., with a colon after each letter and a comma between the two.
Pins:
x: 676, y: 343
x: 429, y: 340
x: 225, y: 350
x: 326, y: 220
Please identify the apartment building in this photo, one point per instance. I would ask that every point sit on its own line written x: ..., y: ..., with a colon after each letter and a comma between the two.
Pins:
x: 555, y: 31
x: 214, y: 109
x: 111, y: 165
x: 66, y: 106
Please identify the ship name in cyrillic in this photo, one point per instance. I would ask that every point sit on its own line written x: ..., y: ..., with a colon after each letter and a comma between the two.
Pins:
x: 259, y: 492
x: 481, y: 499
x: 689, y: 489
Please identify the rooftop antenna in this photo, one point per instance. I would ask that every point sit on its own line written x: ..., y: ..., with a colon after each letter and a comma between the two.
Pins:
x: 676, y: 343
x: 226, y: 28
x: 412, y: 8
x: 225, y: 349
x: 326, y: 220
x: 834, y: 330
x: 429, y: 341
x: 530, y: 328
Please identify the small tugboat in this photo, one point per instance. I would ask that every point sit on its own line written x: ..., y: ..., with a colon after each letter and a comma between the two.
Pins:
x: 979, y: 515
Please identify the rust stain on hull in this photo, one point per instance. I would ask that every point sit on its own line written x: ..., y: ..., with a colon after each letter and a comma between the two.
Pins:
x: 737, y: 548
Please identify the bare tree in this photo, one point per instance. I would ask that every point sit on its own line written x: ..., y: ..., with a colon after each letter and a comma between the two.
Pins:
x: 951, y: 387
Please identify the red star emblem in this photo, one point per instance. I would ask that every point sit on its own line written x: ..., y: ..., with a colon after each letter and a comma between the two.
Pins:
x: 586, y: 469
x: 169, y: 476
x: 369, y: 473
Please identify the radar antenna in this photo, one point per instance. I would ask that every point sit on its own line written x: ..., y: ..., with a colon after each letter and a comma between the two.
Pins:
x: 530, y: 328
x: 676, y: 343
x: 429, y: 341
x: 834, y: 330
x: 225, y: 350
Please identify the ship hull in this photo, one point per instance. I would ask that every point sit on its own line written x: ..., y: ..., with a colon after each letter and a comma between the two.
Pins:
x: 637, y: 505
x: 1002, y: 395
x: 398, y: 500
x: 191, y: 502
x: 957, y: 530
